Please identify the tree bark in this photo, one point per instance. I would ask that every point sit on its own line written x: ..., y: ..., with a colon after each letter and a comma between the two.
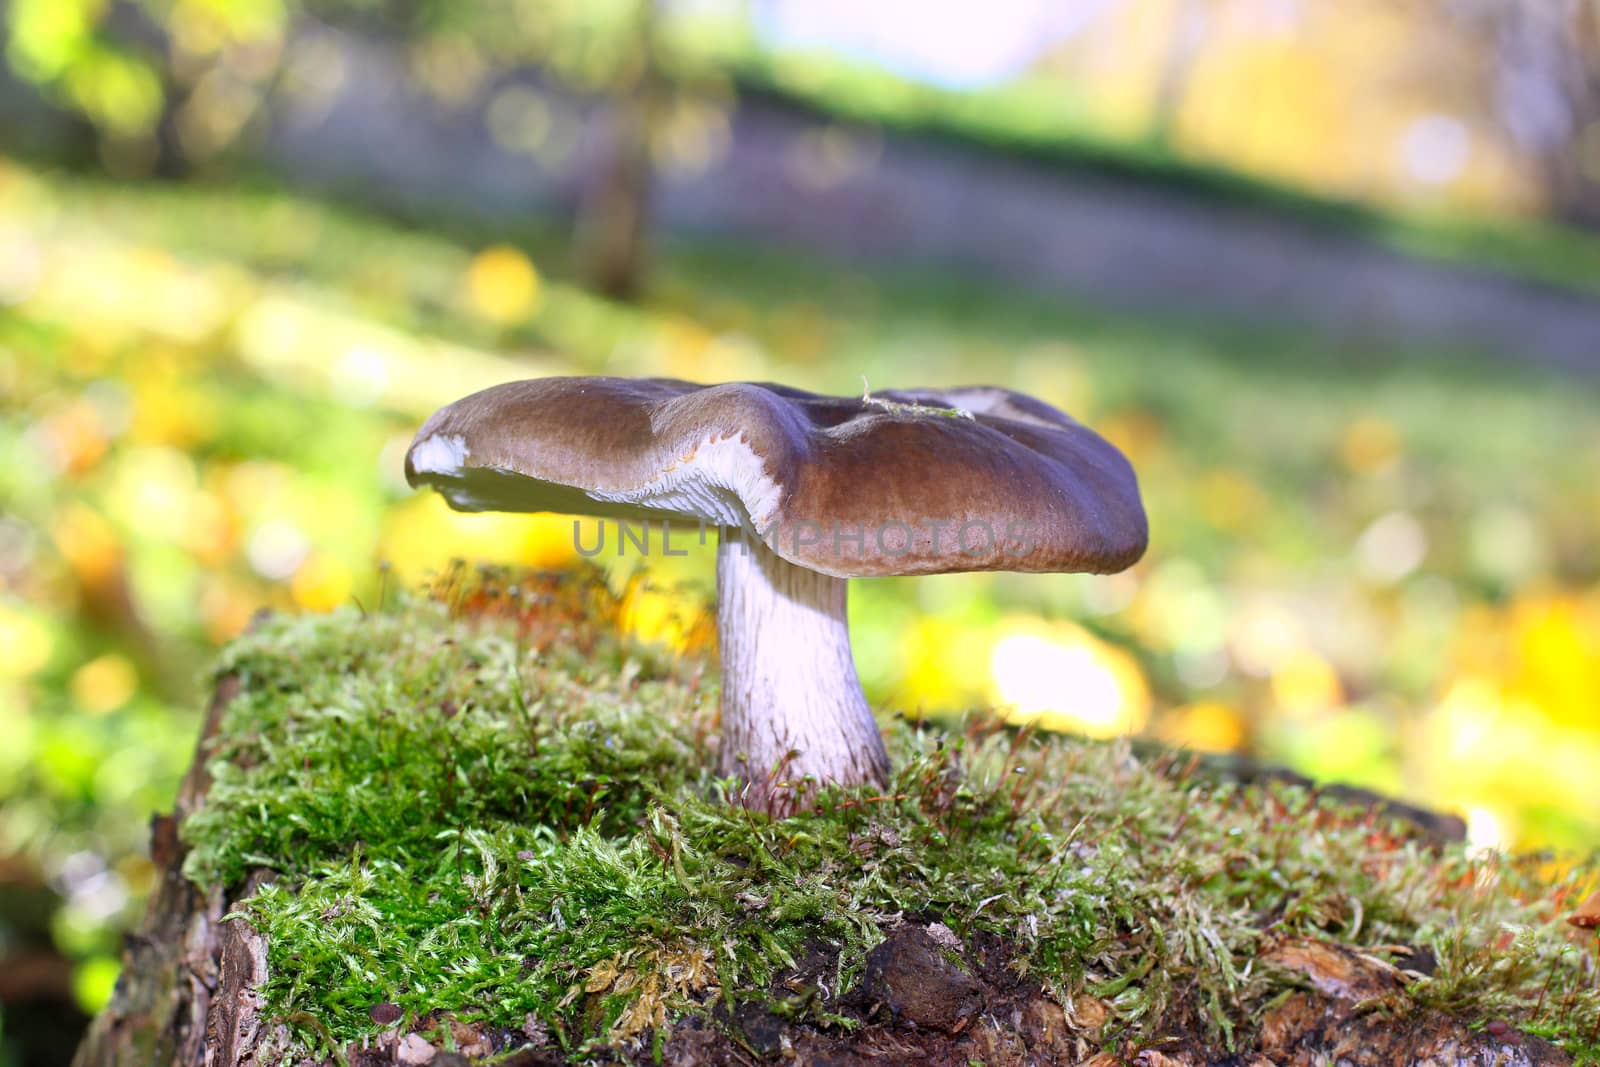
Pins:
x: 186, y: 995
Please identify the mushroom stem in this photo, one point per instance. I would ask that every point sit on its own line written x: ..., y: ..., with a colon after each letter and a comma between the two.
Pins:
x: 793, y: 714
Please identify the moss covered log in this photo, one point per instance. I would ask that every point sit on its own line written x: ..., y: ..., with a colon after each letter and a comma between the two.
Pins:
x: 481, y: 825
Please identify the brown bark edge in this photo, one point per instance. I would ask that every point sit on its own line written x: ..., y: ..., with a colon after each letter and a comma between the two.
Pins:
x: 186, y: 996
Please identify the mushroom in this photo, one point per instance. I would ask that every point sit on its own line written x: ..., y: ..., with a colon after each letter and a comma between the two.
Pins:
x: 808, y: 491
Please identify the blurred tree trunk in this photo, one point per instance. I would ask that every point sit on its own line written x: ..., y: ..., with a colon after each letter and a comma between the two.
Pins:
x: 614, y: 204
x: 1550, y: 94
x: 1543, y: 88
x: 1189, y: 19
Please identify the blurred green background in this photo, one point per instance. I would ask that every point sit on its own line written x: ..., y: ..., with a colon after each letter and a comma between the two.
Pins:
x: 1374, y: 558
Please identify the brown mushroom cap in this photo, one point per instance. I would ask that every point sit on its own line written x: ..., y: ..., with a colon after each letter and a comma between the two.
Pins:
x: 1587, y: 917
x: 907, y: 482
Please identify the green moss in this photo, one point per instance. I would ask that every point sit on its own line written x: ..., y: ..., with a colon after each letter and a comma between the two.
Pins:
x: 491, y: 806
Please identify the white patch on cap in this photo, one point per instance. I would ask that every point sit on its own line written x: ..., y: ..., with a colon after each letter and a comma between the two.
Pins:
x: 440, y: 454
x: 722, y: 481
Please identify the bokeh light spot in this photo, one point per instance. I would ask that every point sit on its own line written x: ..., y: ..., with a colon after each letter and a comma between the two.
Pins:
x: 502, y: 285
x: 1064, y: 678
x: 104, y: 684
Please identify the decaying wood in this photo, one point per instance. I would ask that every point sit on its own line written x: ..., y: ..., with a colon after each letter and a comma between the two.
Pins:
x: 165, y: 1004
x: 1354, y: 1014
x: 189, y: 997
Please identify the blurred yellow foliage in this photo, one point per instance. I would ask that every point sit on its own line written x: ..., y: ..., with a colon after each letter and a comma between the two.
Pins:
x: 1514, y: 730
x: 1264, y: 635
x: 422, y: 535
x: 680, y: 347
x: 25, y: 643
x: 1230, y: 501
x: 212, y: 533
x: 170, y: 411
x: 1555, y: 644
x: 1305, y: 684
x: 1062, y: 677
x: 321, y: 584
x: 1334, y: 73
x: 87, y: 542
x: 1055, y: 373
x: 1491, y: 751
x: 104, y: 684
x: 502, y: 285
x: 667, y: 616
x: 1136, y: 433
x: 153, y: 489
x: 225, y: 607
x: 1206, y: 726
x: 137, y: 291
x: 312, y: 344
x: 75, y: 437
x: 943, y: 661
x: 1369, y: 445
x: 1348, y: 99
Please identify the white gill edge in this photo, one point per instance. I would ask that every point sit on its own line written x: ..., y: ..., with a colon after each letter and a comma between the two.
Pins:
x: 720, y: 481
x: 699, y: 484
